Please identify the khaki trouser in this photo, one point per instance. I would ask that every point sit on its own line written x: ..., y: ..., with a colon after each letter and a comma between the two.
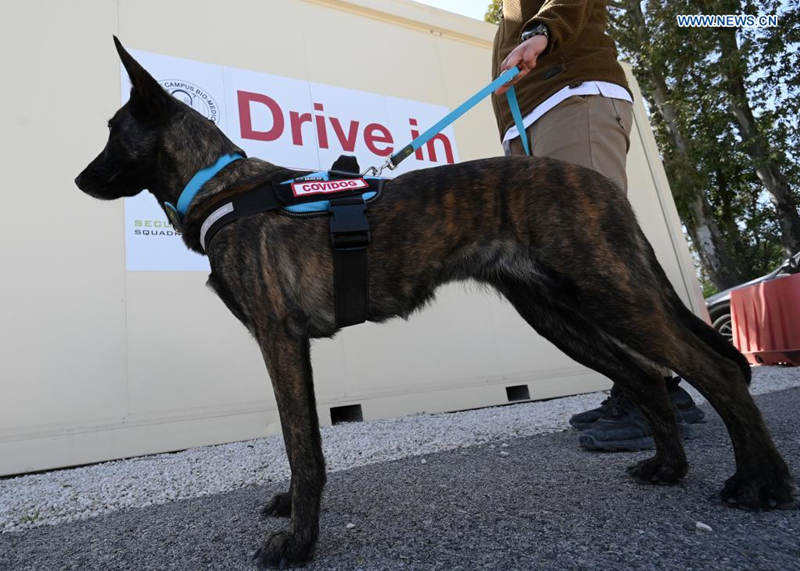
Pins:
x: 588, y: 130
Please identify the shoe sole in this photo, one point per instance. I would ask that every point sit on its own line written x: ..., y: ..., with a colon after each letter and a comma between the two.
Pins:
x: 692, y: 415
x: 589, y: 442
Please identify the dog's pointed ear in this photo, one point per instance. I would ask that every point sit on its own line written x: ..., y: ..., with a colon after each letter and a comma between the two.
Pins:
x: 148, y: 98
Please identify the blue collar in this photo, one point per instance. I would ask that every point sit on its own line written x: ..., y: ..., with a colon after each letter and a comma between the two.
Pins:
x: 196, y: 183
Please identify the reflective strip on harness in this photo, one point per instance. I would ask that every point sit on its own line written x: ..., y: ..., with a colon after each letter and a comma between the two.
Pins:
x: 213, y: 217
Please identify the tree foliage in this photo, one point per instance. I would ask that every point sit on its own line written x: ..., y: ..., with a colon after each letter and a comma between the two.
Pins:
x: 702, y: 69
x: 494, y: 12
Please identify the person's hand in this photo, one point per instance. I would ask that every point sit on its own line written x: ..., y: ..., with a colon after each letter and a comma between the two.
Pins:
x: 523, y: 56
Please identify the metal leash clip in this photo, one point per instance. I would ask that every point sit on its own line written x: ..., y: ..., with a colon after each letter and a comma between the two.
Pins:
x: 376, y: 171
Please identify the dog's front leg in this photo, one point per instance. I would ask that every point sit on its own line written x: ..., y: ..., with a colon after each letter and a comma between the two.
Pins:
x: 288, y: 361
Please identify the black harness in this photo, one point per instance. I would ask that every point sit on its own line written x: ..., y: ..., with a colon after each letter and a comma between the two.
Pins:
x: 339, y: 194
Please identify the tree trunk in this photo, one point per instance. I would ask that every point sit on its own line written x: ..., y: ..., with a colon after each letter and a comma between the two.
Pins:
x: 701, y: 225
x: 756, y: 145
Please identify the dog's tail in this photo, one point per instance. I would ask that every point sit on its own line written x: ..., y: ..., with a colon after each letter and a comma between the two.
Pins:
x: 700, y: 328
x: 716, y: 341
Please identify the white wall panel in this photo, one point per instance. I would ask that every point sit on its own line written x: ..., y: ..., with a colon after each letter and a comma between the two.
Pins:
x: 99, y: 363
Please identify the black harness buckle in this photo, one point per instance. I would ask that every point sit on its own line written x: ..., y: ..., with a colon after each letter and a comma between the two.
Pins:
x: 349, y: 225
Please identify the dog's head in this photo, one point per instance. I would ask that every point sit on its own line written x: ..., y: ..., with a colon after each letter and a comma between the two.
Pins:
x: 155, y: 142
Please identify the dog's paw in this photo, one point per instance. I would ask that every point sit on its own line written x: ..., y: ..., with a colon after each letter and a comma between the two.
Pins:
x: 279, y: 506
x: 283, y: 549
x: 656, y: 471
x: 763, y: 491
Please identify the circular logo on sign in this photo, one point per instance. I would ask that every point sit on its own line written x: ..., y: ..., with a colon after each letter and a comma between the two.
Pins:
x: 194, y: 96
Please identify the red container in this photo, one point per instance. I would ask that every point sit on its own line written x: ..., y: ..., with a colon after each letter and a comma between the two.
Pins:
x: 765, y: 319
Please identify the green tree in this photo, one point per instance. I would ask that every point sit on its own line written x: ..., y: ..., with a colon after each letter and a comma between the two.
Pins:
x: 724, y: 134
x: 494, y: 12
x: 675, y: 120
x: 758, y: 134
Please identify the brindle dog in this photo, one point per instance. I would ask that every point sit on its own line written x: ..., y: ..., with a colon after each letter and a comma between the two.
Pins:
x: 558, y: 240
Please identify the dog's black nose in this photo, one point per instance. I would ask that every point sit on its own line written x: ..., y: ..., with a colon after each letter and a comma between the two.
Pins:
x: 78, y: 180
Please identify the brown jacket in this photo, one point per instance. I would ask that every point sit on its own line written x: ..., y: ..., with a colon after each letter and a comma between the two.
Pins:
x: 579, y: 50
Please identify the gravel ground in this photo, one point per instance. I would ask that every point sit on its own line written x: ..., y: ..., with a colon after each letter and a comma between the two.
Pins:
x: 536, y: 502
x: 69, y: 495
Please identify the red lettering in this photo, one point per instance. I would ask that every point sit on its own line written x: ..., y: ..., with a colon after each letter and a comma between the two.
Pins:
x: 246, y: 98
x: 349, y: 142
x: 414, y: 135
x: 297, y: 121
x: 322, y: 134
x: 377, y: 138
x: 448, y: 149
x: 376, y: 133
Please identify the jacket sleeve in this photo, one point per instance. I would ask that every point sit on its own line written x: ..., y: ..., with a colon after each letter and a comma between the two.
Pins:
x: 564, y: 18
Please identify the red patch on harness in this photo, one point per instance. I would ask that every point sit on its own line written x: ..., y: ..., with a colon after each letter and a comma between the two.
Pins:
x: 327, y: 186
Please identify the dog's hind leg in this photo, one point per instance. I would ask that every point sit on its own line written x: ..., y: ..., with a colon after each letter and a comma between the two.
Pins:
x: 762, y: 479
x: 667, y: 336
x: 587, y: 344
x: 288, y: 361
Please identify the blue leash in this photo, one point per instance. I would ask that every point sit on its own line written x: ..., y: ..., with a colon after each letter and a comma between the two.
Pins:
x: 511, y: 95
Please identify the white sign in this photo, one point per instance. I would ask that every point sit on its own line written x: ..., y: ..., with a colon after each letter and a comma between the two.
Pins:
x: 289, y: 122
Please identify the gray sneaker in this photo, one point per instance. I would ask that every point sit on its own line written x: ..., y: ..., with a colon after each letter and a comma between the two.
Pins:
x: 684, y: 405
x: 622, y: 426
x: 586, y: 419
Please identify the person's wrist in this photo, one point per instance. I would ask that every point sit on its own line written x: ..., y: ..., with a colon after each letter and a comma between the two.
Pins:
x: 537, y: 29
